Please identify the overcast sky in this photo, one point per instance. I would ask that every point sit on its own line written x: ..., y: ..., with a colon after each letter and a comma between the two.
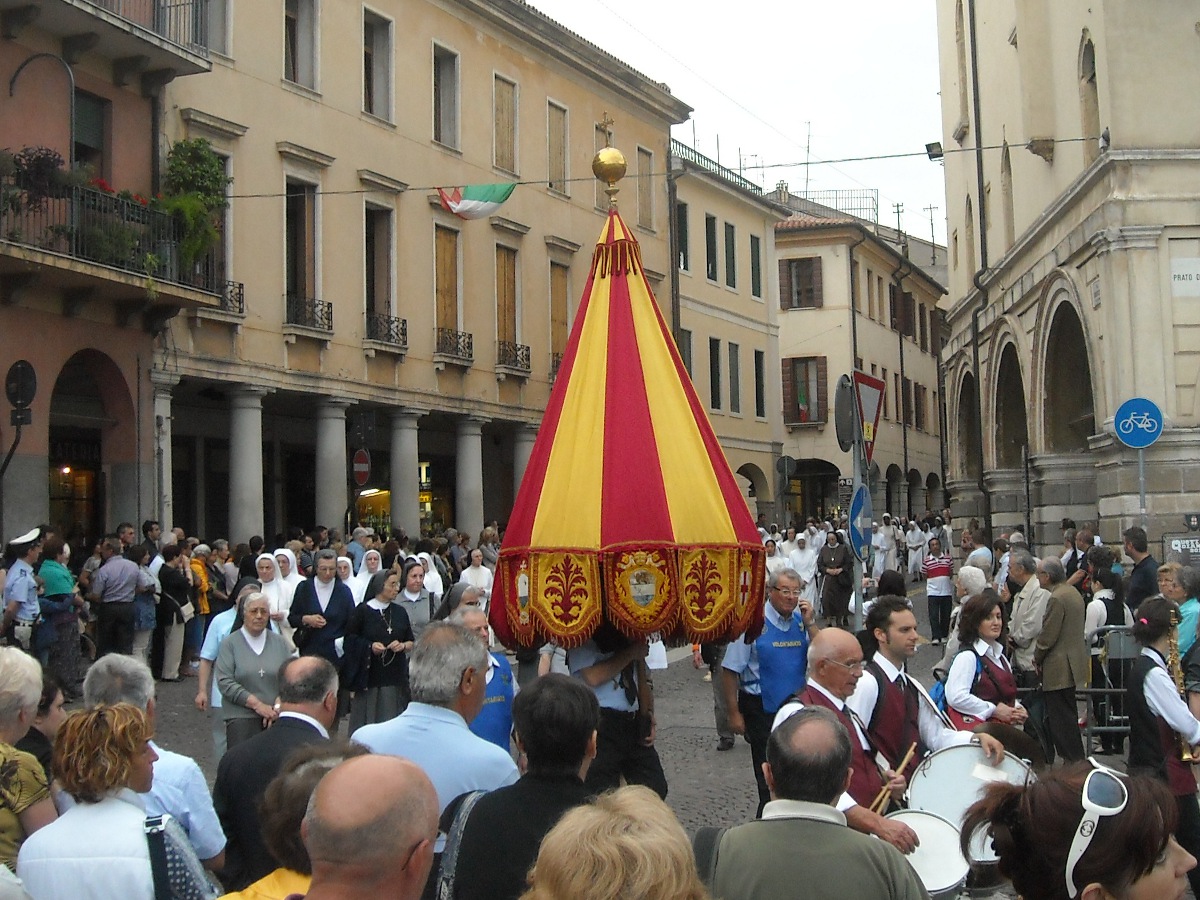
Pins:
x: 862, y: 74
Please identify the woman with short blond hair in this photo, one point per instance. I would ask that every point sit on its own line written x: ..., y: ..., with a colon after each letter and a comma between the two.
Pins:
x: 625, y: 843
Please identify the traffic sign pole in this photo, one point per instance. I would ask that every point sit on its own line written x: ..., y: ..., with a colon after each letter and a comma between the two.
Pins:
x: 1138, y: 423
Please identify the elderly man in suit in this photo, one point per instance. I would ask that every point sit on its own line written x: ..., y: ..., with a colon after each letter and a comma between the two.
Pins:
x: 1062, y: 658
x: 308, y: 689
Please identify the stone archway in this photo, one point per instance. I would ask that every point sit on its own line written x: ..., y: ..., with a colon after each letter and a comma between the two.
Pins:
x: 933, y: 493
x: 758, y: 492
x: 1068, y: 411
x: 1011, y: 417
x: 916, y: 487
x: 970, y: 453
x: 93, y: 443
x: 895, y: 491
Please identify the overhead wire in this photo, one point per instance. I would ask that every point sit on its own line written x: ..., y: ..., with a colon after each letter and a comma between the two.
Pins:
x: 649, y: 175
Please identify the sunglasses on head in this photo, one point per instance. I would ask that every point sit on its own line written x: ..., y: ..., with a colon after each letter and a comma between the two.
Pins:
x: 1104, y: 794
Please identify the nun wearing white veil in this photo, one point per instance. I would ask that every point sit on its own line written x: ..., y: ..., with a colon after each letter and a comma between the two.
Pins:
x: 804, y: 561
x: 292, y: 576
x: 372, y: 565
x: 433, y: 581
x: 277, y: 591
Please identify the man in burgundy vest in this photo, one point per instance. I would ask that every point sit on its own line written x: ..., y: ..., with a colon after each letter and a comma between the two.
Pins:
x: 835, y: 665
x: 897, y: 710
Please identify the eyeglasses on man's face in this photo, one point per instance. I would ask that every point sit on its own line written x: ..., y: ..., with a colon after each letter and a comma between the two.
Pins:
x: 857, y: 666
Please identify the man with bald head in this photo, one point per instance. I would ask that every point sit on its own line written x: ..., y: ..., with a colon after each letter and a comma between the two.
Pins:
x: 370, y: 830
x: 835, y: 665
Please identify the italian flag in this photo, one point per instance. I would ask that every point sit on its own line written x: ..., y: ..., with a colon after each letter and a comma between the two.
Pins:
x: 475, y: 200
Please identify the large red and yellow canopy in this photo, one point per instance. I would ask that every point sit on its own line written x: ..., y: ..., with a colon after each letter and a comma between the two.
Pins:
x: 628, y: 510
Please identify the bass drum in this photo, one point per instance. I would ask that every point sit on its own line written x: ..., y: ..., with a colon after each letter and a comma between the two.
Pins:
x: 948, y: 781
x: 938, y: 861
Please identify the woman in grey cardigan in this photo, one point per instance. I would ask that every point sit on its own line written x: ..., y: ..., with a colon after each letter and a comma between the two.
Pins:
x: 247, y: 672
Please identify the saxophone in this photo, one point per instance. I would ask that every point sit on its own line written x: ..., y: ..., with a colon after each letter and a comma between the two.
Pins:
x: 1176, y: 670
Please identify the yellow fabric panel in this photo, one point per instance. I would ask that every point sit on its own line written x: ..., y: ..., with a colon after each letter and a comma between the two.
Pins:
x: 698, y: 511
x: 568, y: 512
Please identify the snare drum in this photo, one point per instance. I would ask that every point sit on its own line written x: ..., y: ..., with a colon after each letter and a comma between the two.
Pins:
x: 938, y: 861
x: 948, y: 781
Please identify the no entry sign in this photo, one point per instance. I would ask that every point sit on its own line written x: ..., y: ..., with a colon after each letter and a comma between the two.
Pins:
x: 361, y: 467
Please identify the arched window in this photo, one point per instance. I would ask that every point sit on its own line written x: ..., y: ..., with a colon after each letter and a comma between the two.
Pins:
x: 960, y: 44
x: 1006, y: 195
x: 970, y: 237
x: 1089, y: 100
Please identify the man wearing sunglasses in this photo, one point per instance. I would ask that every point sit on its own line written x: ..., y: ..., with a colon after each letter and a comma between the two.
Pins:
x: 759, y: 676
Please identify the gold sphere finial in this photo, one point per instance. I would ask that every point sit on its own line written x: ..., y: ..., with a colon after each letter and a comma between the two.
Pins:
x: 609, y: 165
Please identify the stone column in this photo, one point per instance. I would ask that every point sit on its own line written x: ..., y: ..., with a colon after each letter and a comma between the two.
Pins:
x: 468, y: 476
x: 245, y: 464
x: 405, y: 473
x: 164, y: 383
x: 522, y: 448
x: 332, y: 472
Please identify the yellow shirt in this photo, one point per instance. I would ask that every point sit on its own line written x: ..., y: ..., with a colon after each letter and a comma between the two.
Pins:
x: 201, y: 581
x: 22, y: 784
x: 279, y: 884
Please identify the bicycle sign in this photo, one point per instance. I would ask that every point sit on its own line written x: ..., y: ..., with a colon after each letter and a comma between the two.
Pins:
x: 1138, y: 423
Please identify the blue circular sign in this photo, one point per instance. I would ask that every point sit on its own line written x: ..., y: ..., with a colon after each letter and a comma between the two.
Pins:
x: 860, y: 522
x: 1138, y: 423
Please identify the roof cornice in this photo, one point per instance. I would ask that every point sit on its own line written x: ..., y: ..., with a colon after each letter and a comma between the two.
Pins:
x: 533, y: 26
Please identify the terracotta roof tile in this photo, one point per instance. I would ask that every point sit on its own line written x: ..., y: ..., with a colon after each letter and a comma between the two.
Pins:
x: 801, y: 221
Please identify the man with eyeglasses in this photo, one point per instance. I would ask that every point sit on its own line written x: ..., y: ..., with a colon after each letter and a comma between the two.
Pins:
x: 896, y: 708
x: 835, y: 665
x: 759, y: 676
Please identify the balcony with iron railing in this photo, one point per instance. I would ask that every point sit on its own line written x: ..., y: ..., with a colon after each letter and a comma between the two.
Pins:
x: 555, y: 364
x: 152, y: 39
x: 512, y: 359
x: 386, y: 334
x: 107, y: 243
x: 456, y: 348
x: 682, y: 151
x: 307, y: 317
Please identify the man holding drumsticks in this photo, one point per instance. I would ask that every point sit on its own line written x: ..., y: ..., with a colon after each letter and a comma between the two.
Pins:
x: 897, y: 709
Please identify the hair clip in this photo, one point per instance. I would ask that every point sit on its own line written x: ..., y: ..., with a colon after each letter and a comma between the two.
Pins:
x: 1144, y: 621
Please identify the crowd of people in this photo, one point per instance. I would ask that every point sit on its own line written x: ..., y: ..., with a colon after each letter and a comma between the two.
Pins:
x: 469, y: 775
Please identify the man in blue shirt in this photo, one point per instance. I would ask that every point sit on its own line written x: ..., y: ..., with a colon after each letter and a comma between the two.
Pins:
x: 614, y: 667
x: 495, y: 720
x: 446, y: 672
x: 21, y: 605
x: 759, y: 676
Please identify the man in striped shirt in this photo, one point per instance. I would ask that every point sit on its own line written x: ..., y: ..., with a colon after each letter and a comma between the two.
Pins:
x: 939, y: 588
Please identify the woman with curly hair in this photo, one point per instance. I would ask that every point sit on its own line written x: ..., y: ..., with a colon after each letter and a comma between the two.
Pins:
x: 625, y: 843
x: 101, y: 847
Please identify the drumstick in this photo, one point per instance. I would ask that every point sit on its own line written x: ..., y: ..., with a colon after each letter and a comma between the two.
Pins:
x: 886, y: 791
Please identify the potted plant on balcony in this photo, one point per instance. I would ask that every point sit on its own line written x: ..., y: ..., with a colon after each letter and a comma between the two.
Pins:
x: 194, y: 194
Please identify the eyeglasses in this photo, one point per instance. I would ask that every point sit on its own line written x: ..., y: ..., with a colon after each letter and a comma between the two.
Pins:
x: 856, y: 666
x: 786, y: 593
x: 1104, y: 794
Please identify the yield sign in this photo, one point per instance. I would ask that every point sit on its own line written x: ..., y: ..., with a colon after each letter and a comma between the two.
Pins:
x: 868, y: 391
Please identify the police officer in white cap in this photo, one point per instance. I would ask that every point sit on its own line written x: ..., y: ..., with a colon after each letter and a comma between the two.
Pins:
x: 21, y: 605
